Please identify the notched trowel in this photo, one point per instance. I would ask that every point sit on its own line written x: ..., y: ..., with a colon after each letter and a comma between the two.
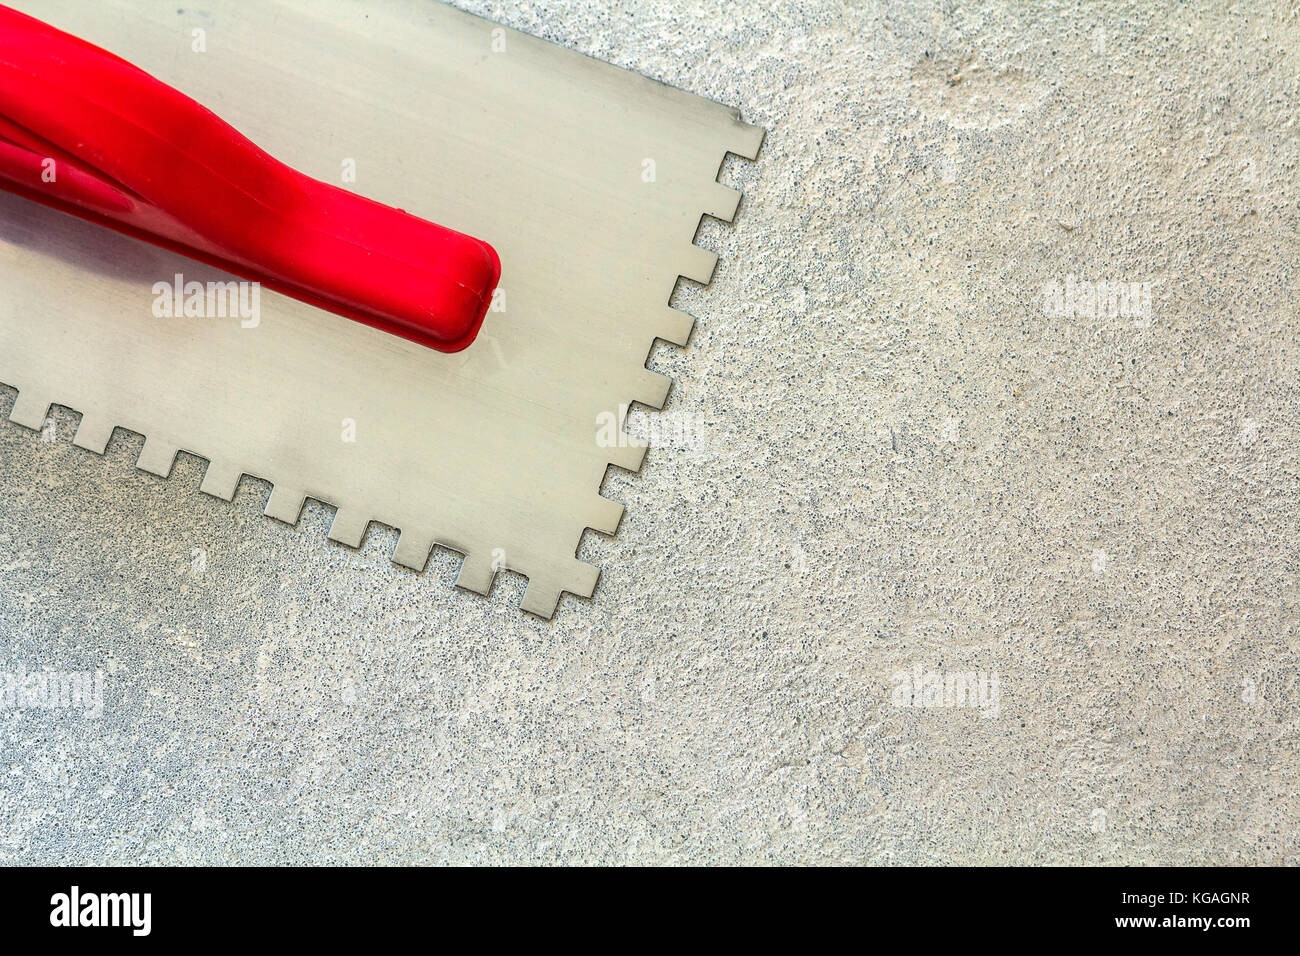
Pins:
x: 478, y: 435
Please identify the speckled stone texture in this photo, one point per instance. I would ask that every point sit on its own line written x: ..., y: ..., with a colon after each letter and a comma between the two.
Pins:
x: 892, y: 445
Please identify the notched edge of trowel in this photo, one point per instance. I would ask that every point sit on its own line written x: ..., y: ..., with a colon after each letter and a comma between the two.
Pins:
x: 672, y: 325
x: 32, y: 409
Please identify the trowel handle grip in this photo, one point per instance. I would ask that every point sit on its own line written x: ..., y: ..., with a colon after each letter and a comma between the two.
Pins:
x: 86, y: 132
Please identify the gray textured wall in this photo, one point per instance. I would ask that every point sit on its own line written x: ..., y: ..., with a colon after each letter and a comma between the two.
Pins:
x: 895, y: 453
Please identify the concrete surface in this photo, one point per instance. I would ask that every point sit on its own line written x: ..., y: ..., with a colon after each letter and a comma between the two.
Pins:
x: 893, y: 448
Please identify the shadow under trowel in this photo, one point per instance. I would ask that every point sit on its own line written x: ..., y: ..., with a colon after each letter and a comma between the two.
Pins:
x: 54, y: 234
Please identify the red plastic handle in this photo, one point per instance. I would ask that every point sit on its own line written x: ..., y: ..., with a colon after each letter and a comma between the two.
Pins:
x: 84, y: 131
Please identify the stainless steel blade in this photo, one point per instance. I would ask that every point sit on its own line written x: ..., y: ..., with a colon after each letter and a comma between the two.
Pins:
x: 492, y: 452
